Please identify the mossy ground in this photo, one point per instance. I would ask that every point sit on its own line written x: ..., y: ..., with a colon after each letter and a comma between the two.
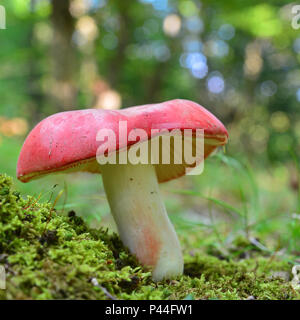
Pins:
x: 50, y: 256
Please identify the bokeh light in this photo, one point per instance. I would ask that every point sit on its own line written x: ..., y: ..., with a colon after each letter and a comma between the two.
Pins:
x: 13, y: 127
x: 172, y: 25
x: 194, y: 58
x: 268, y: 88
x: 160, y: 51
x: 253, y: 61
x: 160, y: 5
x: 296, y: 45
x: 196, y: 62
x: 217, y: 48
x: 87, y: 30
x: 199, y: 70
x: 194, y: 24
x: 188, y: 8
x: 280, y: 121
x: 43, y: 33
x: 298, y: 95
x: 78, y: 8
x: 192, y: 44
x: 216, y: 83
x: 109, y: 100
x: 226, y: 32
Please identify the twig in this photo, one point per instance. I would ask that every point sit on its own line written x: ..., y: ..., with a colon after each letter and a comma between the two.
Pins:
x: 260, y: 246
x: 95, y: 283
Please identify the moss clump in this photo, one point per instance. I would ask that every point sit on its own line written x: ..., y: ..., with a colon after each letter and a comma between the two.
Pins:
x: 50, y: 256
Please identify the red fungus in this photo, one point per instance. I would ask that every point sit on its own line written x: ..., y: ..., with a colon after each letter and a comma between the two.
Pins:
x: 69, y: 142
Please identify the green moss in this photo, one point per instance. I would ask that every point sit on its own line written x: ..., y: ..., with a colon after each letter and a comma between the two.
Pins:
x: 50, y: 256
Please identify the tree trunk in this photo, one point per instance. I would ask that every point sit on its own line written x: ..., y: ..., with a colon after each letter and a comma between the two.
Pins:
x: 63, y: 89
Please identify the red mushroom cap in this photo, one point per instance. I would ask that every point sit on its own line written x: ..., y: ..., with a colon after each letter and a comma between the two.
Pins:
x: 67, y: 141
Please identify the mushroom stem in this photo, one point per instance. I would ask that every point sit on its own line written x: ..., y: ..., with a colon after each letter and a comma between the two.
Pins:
x: 141, y: 217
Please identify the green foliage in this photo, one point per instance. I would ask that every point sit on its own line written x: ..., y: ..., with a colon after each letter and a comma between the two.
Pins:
x: 130, y: 52
x: 260, y: 20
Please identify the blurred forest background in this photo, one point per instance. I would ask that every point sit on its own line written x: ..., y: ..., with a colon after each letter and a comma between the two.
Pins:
x: 239, y: 59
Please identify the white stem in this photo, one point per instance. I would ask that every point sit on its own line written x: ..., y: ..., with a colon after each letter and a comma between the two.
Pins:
x: 143, y: 224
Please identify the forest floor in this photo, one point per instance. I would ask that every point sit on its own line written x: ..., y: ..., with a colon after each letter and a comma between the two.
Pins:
x: 47, y: 255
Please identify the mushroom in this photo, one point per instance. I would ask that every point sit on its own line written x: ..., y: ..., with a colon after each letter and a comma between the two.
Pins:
x: 69, y: 142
